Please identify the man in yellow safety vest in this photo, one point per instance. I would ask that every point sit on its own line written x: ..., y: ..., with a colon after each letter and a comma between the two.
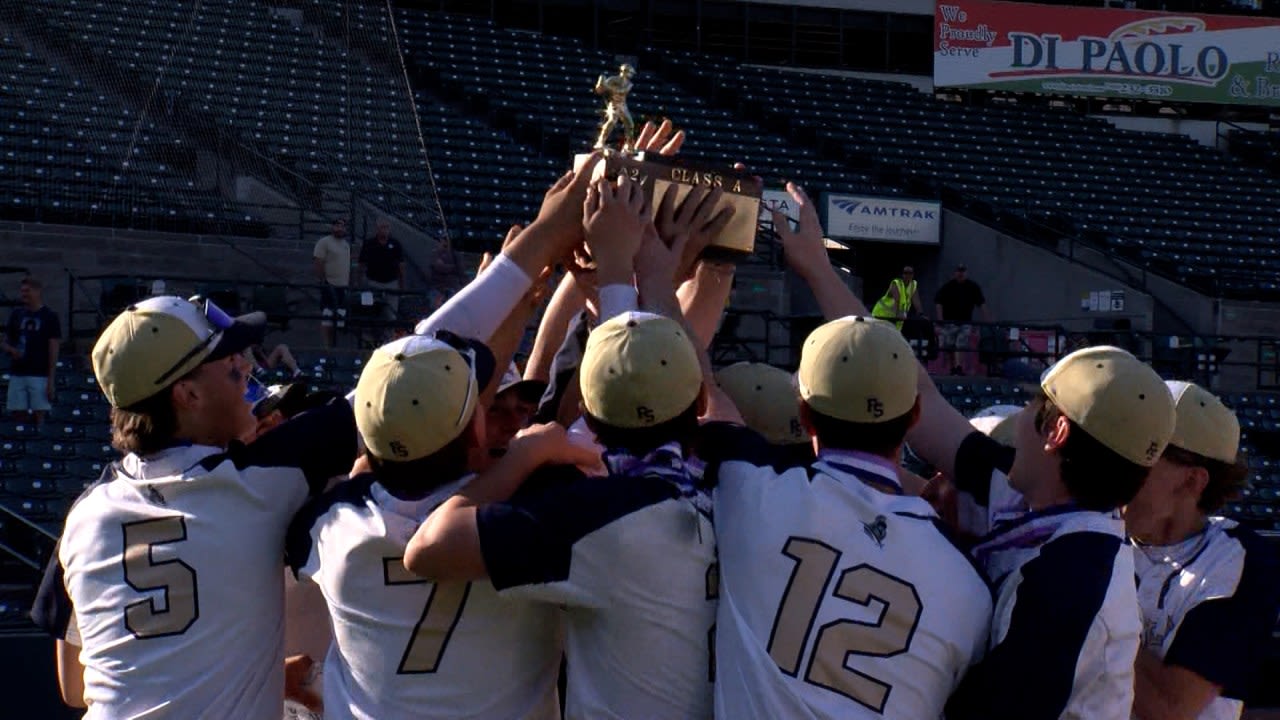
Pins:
x: 899, y: 298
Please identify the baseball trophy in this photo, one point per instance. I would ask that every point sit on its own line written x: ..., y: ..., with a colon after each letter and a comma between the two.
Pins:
x: 659, y: 174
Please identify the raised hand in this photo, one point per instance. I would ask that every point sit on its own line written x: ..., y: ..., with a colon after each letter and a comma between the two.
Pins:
x: 695, y: 219
x: 659, y: 261
x: 615, y: 215
x: 550, y: 444
x: 804, y: 249
x: 659, y: 138
x: 561, y: 211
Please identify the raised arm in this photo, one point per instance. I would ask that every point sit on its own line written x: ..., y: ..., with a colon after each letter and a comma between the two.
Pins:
x: 566, y: 302
x: 806, y: 255
x: 941, y: 429
x: 480, y: 307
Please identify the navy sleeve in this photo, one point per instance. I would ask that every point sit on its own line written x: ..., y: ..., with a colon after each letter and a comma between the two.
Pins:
x: 977, y: 457
x: 529, y: 539
x: 721, y: 442
x: 320, y: 442
x: 11, y: 328
x: 1030, y: 674
x: 521, y: 540
x: 51, y: 611
x: 298, y: 540
x: 1225, y: 640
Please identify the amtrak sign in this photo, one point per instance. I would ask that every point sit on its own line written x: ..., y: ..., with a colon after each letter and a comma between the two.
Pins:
x: 860, y: 217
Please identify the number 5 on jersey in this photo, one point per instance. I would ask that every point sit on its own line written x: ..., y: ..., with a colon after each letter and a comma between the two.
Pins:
x: 439, y: 617
x: 176, y: 579
x: 839, y: 640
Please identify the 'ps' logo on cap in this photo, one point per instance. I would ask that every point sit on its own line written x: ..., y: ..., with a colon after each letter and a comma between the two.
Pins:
x: 645, y: 415
x: 398, y: 449
x: 875, y: 407
x: 1152, y: 449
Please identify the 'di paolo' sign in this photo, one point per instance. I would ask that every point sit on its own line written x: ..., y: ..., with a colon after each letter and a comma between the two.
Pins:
x: 1106, y: 52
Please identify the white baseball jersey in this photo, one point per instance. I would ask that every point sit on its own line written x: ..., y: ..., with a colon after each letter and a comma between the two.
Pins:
x: 1209, y: 605
x: 1066, y: 626
x: 632, y: 560
x: 404, y: 647
x: 167, y: 575
x: 837, y: 599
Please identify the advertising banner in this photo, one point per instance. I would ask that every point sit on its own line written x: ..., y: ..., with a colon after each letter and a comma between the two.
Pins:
x: 860, y: 217
x: 1132, y: 54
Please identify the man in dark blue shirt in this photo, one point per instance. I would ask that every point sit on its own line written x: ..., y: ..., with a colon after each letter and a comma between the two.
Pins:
x: 31, y: 339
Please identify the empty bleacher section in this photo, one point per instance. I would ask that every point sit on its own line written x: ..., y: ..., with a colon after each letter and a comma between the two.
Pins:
x: 540, y: 88
x: 232, y: 74
x: 70, y: 154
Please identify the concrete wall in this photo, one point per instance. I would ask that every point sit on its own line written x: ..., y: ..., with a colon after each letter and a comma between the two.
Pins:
x: 1025, y: 283
x: 48, y: 251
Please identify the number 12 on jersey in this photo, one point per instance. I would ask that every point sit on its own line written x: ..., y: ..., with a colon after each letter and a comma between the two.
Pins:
x: 837, y: 641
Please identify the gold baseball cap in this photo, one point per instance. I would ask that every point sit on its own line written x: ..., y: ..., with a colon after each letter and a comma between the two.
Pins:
x: 858, y: 369
x: 151, y: 344
x: 1204, y: 425
x: 639, y: 370
x: 417, y: 394
x: 1116, y: 398
x: 767, y: 399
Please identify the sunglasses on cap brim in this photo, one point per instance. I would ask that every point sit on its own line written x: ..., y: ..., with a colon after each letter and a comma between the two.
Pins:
x: 218, y: 319
x: 468, y: 353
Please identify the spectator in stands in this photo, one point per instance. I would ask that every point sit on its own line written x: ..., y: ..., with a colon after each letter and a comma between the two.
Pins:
x: 31, y: 339
x: 382, y: 264
x: 332, y: 258
x: 953, y: 308
x: 1208, y: 588
x: 279, y: 355
x: 899, y: 299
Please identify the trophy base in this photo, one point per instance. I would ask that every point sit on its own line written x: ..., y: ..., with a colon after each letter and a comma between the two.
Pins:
x: 659, y: 175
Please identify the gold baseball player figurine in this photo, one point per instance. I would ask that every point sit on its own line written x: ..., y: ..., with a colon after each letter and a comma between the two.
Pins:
x: 615, y: 89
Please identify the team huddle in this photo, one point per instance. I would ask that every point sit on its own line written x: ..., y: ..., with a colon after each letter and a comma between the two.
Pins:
x: 678, y: 543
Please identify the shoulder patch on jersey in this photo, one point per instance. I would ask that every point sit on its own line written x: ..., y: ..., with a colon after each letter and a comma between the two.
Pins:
x: 877, y: 530
x: 298, y: 540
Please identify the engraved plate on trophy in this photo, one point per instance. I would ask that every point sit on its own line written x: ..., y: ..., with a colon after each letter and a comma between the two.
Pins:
x: 659, y: 174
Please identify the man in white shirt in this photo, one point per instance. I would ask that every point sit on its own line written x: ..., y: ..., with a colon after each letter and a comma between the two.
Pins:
x: 332, y: 261
x: 403, y: 647
x: 630, y: 556
x: 1066, y: 626
x: 1208, y: 588
x: 839, y: 596
x: 179, y: 545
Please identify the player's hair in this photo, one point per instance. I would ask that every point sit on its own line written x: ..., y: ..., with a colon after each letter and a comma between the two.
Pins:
x: 1097, y: 477
x: 416, y: 478
x: 682, y: 428
x: 32, y: 282
x: 145, y: 427
x: 882, y: 438
x: 1227, y: 481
